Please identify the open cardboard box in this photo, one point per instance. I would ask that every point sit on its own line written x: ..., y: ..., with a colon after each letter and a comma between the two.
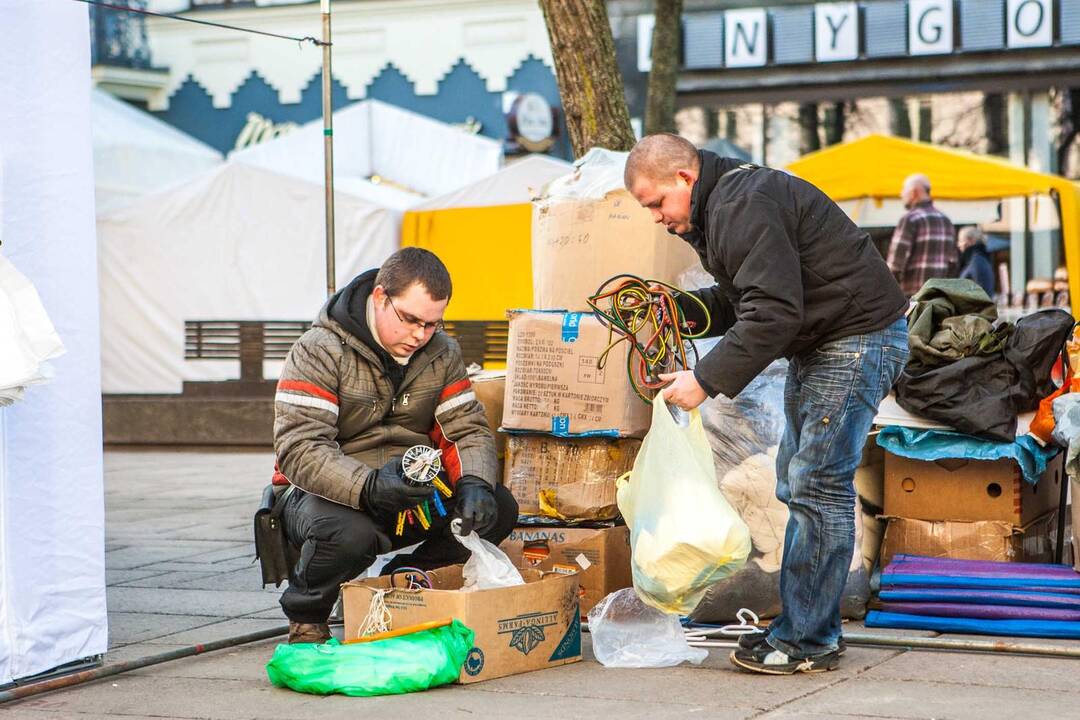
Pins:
x: 518, y: 629
x: 600, y: 557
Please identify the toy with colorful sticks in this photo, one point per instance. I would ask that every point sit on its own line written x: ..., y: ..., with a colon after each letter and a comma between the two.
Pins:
x: 421, y: 466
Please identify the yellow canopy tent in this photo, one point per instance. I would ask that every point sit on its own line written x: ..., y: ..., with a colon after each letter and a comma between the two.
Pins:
x: 875, y: 167
x: 483, y: 232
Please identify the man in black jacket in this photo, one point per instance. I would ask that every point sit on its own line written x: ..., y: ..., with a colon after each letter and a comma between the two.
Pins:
x: 795, y: 278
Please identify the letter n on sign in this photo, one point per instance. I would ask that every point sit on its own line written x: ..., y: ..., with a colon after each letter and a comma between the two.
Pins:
x: 745, y: 38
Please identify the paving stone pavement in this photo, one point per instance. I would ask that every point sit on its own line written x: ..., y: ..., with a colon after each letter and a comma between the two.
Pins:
x: 179, y: 548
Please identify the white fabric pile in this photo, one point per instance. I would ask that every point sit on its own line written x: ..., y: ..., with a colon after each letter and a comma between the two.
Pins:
x: 27, y: 337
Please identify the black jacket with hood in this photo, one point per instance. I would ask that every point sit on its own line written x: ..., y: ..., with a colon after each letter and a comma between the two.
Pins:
x: 792, y: 271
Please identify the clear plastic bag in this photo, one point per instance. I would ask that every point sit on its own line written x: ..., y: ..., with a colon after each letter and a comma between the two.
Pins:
x: 751, y: 423
x: 684, y: 535
x: 488, y: 567
x: 627, y: 633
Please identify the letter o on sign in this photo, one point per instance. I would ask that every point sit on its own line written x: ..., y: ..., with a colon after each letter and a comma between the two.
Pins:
x: 1030, y: 23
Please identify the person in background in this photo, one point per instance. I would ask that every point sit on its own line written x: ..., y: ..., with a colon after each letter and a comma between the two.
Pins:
x: 924, y: 243
x: 975, y: 261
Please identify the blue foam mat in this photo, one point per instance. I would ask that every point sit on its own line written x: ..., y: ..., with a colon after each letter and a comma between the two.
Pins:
x: 1020, y: 598
x: 1013, y: 628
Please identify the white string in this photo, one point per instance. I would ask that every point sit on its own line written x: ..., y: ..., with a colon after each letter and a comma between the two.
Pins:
x: 378, y: 618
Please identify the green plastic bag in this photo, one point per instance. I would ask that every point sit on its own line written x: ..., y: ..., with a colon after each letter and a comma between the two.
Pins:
x: 405, y: 664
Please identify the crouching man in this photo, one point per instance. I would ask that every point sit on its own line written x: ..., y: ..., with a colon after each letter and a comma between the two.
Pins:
x: 374, y: 376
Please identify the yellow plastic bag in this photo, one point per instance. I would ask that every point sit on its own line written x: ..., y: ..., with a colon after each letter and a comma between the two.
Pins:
x: 684, y: 536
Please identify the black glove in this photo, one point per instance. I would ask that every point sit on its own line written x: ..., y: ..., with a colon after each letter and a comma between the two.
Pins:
x: 387, y: 492
x: 475, y: 505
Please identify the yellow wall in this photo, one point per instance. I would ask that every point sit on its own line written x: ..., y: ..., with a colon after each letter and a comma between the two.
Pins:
x: 488, y: 251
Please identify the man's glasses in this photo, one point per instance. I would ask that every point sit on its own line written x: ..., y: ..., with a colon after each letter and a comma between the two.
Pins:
x: 415, y: 322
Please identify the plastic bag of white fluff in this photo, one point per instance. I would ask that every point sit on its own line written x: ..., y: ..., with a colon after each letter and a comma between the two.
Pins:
x: 488, y: 567
x: 684, y: 535
x: 627, y: 633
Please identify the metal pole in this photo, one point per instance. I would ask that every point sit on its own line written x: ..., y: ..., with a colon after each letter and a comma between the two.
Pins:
x: 37, y: 688
x: 1008, y: 646
x: 328, y: 145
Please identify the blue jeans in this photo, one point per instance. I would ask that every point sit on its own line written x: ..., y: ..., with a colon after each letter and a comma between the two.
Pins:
x: 830, y: 399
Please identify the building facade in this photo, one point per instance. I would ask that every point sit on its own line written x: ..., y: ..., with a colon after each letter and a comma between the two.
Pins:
x: 780, y: 79
x: 459, y: 61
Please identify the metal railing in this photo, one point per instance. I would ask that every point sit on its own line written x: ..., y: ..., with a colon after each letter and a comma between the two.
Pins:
x: 253, y: 341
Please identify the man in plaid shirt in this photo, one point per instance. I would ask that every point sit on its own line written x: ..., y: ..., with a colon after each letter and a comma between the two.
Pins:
x: 924, y: 243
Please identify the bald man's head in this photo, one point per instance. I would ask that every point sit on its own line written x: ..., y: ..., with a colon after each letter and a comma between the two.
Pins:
x: 660, y: 173
x: 659, y: 157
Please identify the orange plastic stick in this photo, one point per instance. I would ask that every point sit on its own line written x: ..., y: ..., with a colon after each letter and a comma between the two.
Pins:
x: 419, y: 627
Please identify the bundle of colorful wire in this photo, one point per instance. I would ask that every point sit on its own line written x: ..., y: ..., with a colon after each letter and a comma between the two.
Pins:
x: 646, y: 314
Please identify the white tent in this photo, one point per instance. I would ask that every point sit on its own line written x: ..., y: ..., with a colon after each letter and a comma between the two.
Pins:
x: 420, y: 156
x: 518, y: 182
x: 136, y: 154
x: 239, y: 243
x: 52, y: 510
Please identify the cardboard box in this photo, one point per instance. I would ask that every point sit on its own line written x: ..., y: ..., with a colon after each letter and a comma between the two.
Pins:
x: 490, y: 388
x: 554, y: 386
x: 578, y: 244
x: 985, y: 540
x: 567, y: 478
x: 518, y: 629
x: 600, y: 557
x: 968, y: 490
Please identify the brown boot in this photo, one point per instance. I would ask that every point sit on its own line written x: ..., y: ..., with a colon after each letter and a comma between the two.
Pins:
x: 308, y: 632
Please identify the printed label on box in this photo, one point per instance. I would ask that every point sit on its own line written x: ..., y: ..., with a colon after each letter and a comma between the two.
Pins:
x: 527, y: 631
x: 588, y: 372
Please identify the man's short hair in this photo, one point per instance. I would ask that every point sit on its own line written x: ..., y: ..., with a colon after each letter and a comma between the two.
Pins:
x: 415, y: 265
x: 659, y: 157
x: 917, y: 179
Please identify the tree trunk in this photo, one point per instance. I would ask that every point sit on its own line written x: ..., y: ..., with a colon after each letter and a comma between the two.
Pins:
x: 899, y: 120
x: 926, y: 120
x: 835, y: 120
x: 1070, y: 129
x: 996, y: 117
x: 666, y: 39
x: 809, y: 140
x: 589, y: 82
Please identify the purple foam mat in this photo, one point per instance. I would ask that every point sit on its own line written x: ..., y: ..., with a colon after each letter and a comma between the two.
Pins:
x: 907, y: 569
x: 968, y: 596
x: 981, y: 612
x: 916, y: 565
